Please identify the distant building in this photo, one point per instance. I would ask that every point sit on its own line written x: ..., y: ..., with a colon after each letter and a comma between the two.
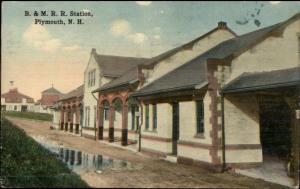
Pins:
x: 48, y: 99
x: 68, y: 111
x: 16, y: 101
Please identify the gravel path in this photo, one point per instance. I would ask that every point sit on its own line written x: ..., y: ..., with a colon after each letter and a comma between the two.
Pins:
x: 154, y: 172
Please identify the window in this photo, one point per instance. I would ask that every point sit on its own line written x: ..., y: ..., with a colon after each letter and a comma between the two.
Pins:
x: 95, y: 116
x: 154, y: 116
x: 147, y: 116
x: 91, y: 78
x: 106, y: 113
x: 15, y: 108
x: 94, y: 77
x: 87, y: 116
x: 200, y: 116
x: 299, y: 45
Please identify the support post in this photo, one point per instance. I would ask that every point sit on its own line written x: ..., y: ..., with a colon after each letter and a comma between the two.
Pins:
x: 296, y: 139
x: 124, y: 124
x: 140, y: 126
x: 77, y: 120
x: 62, y: 119
x: 100, y: 123
x: 111, y: 123
x: 71, y: 121
x: 223, y: 135
x: 66, y: 121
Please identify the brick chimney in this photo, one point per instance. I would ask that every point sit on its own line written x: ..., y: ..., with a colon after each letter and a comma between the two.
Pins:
x: 222, y: 25
x: 14, y: 90
x: 93, y: 51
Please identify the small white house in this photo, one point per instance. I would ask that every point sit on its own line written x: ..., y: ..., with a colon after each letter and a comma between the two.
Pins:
x: 16, y: 101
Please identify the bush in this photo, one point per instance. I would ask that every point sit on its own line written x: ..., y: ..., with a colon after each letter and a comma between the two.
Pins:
x: 29, y: 115
x: 25, y: 163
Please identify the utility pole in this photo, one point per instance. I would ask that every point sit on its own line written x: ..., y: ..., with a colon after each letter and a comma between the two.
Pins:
x: 296, y: 138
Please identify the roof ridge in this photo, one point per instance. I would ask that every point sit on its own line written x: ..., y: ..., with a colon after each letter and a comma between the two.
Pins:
x: 20, y: 94
x: 17, y: 95
x: 116, y: 66
x: 51, y: 88
x: 128, y: 71
x: 273, y: 25
x: 112, y: 82
x: 169, y: 52
x: 115, y: 56
x: 260, y: 29
x: 67, y: 95
x: 75, y: 88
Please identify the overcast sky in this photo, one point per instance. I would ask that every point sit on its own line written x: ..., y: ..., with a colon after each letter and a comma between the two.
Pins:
x: 36, y: 56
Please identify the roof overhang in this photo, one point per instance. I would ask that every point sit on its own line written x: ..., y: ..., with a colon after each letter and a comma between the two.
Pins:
x: 174, y: 96
x: 118, y: 87
x: 199, y: 86
x: 261, y: 87
x: 251, y: 82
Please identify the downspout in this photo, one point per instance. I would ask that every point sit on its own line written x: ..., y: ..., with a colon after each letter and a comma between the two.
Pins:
x: 81, y: 119
x: 223, y: 134
x: 140, y: 127
x: 96, y: 116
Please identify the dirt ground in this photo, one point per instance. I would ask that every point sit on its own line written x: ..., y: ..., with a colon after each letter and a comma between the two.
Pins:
x: 154, y: 172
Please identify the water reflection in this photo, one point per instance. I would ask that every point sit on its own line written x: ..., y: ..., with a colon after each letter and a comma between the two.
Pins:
x: 81, y: 162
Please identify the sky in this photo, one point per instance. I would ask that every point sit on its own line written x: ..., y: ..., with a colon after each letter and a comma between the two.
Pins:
x: 36, y: 56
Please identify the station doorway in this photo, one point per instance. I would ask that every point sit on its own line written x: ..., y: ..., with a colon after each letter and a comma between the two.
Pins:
x: 277, y: 131
x: 275, y: 128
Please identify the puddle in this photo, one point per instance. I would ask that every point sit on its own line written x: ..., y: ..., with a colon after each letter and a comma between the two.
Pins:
x: 81, y: 162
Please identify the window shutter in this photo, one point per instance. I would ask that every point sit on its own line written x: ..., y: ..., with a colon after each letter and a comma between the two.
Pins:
x: 200, y: 116
x: 132, y: 117
x: 147, y: 116
x: 154, y: 116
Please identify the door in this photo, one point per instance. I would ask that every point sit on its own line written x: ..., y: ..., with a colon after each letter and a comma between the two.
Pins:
x: 23, y: 108
x: 175, y: 130
x: 275, y: 131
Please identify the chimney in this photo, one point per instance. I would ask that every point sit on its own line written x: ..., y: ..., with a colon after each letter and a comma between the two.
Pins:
x: 93, y: 51
x: 222, y: 25
x: 13, y: 90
